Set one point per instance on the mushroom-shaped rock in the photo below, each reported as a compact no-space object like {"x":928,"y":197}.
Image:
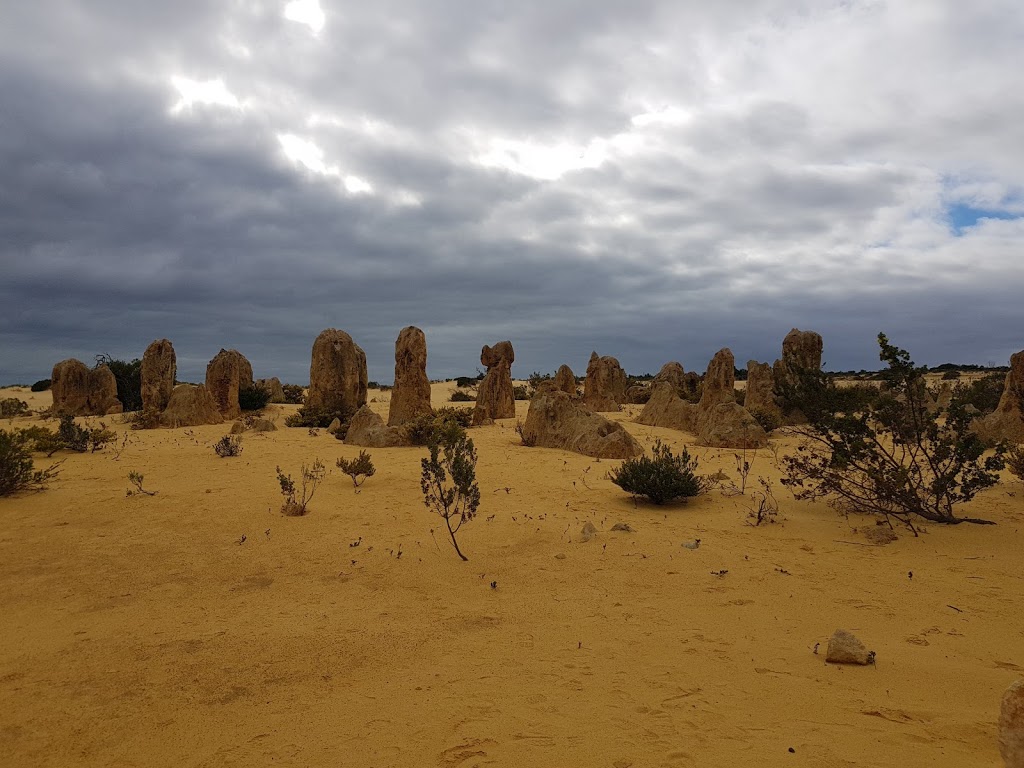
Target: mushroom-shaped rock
{"x":495,"y":398}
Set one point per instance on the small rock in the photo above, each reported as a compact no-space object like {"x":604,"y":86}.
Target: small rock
{"x":844,"y":648}
{"x":624,"y":527}
{"x":560,"y":556}
{"x":588,"y":532}
{"x":237,"y":428}
{"x":264,"y":425}
{"x":1011,"y":726}
{"x":695,"y":544}
{"x":334,"y":426}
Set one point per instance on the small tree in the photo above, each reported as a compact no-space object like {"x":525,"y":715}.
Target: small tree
{"x":889,"y":456}
{"x":359,"y":467}
{"x":296,"y":499}
{"x":448,"y":479}
{"x":660,"y":478}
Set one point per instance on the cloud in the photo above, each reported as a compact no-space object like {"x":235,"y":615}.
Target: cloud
{"x":652,"y":180}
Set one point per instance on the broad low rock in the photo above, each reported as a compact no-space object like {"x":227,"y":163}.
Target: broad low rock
{"x":190,"y":406}
{"x":410,"y":397}
{"x":337,"y":374}
{"x":158,"y":372}
{"x":845,"y":648}
{"x":666,"y":409}
{"x":1011,"y":726}
{"x":82,"y":391}
{"x":589,"y":531}
{"x":274,"y":387}
{"x":367,"y":429}
{"x":495,"y":398}
{"x":227,"y":374}
{"x":605,"y":385}
{"x":264,"y":425}
{"x":555,"y":420}
{"x":565,"y":380}
{"x":1007,"y":421}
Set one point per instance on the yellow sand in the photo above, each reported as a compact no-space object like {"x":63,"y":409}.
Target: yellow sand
{"x":139,"y":631}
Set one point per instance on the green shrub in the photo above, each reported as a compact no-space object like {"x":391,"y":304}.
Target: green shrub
{"x":448,"y":479}
{"x":129,"y":380}
{"x":297,"y":498}
{"x":892,"y":457}
{"x":41,"y":386}
{"x":424,"y":428}
{"x":317,"y":418}
{"x":1015,"y":461}
{"x":521,"y":392}
{"x":17,"y":472}
{"x":459,"y":396}
{"x":253,"y":398}
{"x":983,"y":393}
{"x":359,"y":467}
{"x":294,"y":394}
{"x":12,"y":406}
{"x":662,"y":477}
{"x":768,"y":420}
{"x":951,"y":375}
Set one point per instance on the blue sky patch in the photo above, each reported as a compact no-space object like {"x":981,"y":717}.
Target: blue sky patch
{"x":962,"y":216}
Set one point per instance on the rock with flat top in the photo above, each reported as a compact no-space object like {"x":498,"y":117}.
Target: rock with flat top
{"x":845,"y":648}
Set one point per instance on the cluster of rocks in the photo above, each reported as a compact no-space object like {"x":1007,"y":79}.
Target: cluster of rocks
{"x":82,"y":391}
{"x":716,"y":419}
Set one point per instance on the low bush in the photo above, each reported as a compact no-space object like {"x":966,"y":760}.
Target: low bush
{"x":424,"y":429}
{"x":359,"y":467}
{"x":253,"y":398}
{"x":294,"y":394}
{"x":317,"y":418}
{"x":12,"y":406}
{"x":42,"y":385}
{"x":1015,"y":461}
{"x":521,"y":392}
{"x":297,"y":498}
{"x":662,"y":477}
{"x":768,"y":420}
{"x":228,"y":446}
{"x":17,"y":472}
{"x":983,"y":393}
{"x":951,"y":375}
{"x":461,"y":396}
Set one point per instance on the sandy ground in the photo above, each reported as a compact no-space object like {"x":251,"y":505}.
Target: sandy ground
{"x":139,"y":631}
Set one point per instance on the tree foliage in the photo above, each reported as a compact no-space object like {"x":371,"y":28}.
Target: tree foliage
{"x":448,"y":479}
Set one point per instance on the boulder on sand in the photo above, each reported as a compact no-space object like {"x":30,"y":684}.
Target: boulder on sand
{"x":555,"y":420}
{"x":191,"y":405}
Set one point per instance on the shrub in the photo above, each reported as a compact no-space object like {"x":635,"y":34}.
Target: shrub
{"x":741,"y":395}
{"x":12,"y":406}
{"x":227,"y":446}
{"x":42,"y":385}
{"x":136,"y":479}
{"x":296,"y":499}
{"x":253,"y":398}
{"x":466,"y":382}
{"x":951,"y":375}
{"x":521,"y":392}
{"x":459,"y":396}
{"x":892,"y":457}
{"x":768,"y":420}
{"x":448,"y":479}
{"x":529,"y":442}
{"x":129,"y":380}
{"x":764,"y":509}
{"x":146,"y":419}
{"x":359,"y":467}
{"x":294,"y":394}
{"x":661,"y":478}
{"x":17,"y":472}
{"x":424,"y":428}
{"x":317,"y":418}
{"x":983,"y":393}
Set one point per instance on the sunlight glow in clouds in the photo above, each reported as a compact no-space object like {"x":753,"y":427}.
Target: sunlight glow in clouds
{"x":306,"y":12}
{"x":194,"y":92}
{"x":309,"y":155}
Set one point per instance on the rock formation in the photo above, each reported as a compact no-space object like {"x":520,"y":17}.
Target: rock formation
{"x":761,"y":390}
{"x":159,"y":369}
{"x":801,"y":351}
{"x":555,"y":420}
{"x":565,"y":380}
{"x":411,"y":395}
{"x":605,"y":386}
{"x":367,"y":429}
{"x":226,"y":374}
{"x":191,"y":406}
{"x":274,"y":387}
{"x":1011,"y":726}
{"x":337,"y":374}
{"x":1007,"y":421}
{"x":495,"y":398}
{"x":82,"y":391}
{"x":717,"y":420}
{"x":721,"y":421}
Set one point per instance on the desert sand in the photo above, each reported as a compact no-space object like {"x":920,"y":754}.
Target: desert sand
{"x":144,"y":631}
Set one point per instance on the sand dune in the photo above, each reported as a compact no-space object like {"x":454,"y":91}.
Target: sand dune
{"x":144,"y":631}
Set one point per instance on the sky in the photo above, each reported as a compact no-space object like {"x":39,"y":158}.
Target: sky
{"x":653,"y":180}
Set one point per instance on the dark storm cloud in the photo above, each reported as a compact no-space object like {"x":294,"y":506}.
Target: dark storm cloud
{"x":651,"y":180}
